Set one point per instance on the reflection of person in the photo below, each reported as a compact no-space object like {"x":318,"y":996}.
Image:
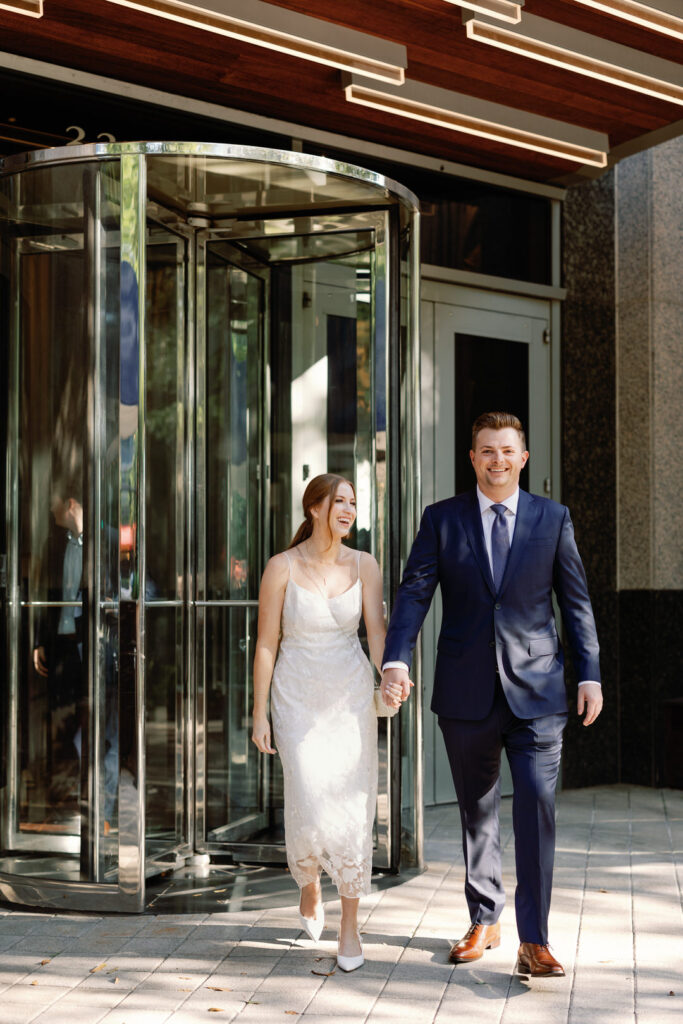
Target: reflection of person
{"x":498,"y":553}
{"x":58,"y":652}
{"x":324,"y":718}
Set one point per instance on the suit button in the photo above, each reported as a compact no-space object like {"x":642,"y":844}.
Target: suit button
{"x":492,"y":643}
{"x":496,"y":606}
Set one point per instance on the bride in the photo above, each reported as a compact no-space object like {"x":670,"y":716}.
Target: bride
{"x":324,"y":720}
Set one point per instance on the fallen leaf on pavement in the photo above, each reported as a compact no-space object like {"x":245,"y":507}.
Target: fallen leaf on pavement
{"x":94,"y":970}
{"x":219,"y":988}
{"x":325,"y":969}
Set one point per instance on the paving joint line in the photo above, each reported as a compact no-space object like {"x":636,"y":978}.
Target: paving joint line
{"x":412,"y":936}
{"x":589,"y":846}
{"x":246,"y":1002}
{"x":674,"y":860}
{"x":632,"y":901}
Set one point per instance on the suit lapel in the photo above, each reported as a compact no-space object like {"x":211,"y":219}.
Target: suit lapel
{"x":471,"y":517}
{"x":527,"y":514}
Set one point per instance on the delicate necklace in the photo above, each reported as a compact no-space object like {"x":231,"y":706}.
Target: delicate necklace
{"x":309,"y":562}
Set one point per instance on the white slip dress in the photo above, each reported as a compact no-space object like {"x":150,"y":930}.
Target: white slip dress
{"x":325,"y":731}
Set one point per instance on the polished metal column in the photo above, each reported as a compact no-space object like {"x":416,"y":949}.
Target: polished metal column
{"x":131,"y":524}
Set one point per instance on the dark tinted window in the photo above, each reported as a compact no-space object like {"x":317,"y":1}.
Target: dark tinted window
{"x":470,"y":225}
{"x":474,"y":227}
{"x":489,"y":374}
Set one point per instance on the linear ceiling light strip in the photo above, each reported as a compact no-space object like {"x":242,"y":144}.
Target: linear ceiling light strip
{"x":505,"y":10}
{"x":531,"y":44}
{"x":277,"y":28}
{"x":402,"y":106}
{"x":33,"y":8}
{"x":663,"y":18}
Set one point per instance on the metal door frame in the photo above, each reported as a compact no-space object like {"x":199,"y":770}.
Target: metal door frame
{"x":473,"y":307}
{"x":197,"y":547}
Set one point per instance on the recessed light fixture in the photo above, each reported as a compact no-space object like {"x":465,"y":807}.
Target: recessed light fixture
{"x":276,"y":28}
{"x":460,"y":113}
{"x":506,"y":10}
{"x":552,"y":43}
{"x":663,"y":16}
{"x":34,"y":8}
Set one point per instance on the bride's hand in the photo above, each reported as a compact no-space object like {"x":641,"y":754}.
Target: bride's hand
{"x":260,"y":734}
{"x":395,"y":686}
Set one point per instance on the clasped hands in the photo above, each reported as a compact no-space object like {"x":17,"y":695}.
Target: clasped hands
{"x":395,"y":686}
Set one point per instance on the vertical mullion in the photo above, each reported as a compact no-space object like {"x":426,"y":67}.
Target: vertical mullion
{"x":92,"y":738}
{"x":11,"y":804}
{"x":415,"y":511}
{"x":131,"y":518}
{"x":179,"y":539}
{"x":189,"y":573}
{"x":200,"y":542}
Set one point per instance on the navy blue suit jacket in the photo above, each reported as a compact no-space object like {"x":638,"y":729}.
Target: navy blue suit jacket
{"x":513,"y":629}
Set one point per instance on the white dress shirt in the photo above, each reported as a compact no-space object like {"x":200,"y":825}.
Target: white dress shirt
{"x":487,"y":520}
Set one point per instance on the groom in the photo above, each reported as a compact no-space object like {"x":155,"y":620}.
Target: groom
{"x":498,"y":553}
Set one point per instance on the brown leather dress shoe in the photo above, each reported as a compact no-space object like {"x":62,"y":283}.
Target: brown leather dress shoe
{"x":472,"y":945}
{"x":538,"y":961}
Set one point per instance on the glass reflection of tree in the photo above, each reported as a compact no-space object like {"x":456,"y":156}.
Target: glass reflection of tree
{"x":164,"y":419}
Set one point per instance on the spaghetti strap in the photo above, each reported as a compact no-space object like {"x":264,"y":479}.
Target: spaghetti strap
{"x":289,"y":563}
{"x":358,"y":554}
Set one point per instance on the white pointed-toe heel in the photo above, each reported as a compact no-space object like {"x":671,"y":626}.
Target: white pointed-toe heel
{"x":313,"y":926}
{"x":350,"y":963}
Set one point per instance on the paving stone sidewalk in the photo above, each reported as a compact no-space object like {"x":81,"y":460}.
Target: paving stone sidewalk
{"x":616,"y":924}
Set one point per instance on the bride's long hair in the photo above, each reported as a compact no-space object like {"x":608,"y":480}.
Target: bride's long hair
{"x":325,"y":485}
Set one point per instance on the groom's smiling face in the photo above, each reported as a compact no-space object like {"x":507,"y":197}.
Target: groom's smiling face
{"x":498,"y":460}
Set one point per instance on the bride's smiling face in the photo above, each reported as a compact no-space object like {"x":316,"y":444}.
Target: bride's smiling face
{"x":339,"y":511}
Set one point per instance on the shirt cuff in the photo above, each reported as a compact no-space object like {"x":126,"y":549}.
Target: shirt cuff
{"x":395,"y":664}
{"x":593,"y":682}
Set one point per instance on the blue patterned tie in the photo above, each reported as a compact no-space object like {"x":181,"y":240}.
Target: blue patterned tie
{"x":500,"y":545}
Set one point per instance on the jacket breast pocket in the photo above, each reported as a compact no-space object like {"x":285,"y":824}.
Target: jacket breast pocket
{"x":543,"y":645}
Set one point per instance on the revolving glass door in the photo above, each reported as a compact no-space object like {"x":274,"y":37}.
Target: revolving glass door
{"x":189,"y":335}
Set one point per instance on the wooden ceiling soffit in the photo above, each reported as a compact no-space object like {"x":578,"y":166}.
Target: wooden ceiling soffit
{"x":493,"y":121}
{"x":582,"y":53}
{"x":285,"y":31}
{"x":661,"y":16}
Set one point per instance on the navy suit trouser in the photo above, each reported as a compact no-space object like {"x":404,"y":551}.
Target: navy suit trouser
{"x":533,"y":747}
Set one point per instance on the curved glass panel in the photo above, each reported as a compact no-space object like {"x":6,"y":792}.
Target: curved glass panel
{"x":60,"y":256}
{"x":190,"y":334}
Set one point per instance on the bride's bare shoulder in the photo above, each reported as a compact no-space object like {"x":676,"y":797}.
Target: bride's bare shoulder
{"x":369,"y":569}
{"x":277,"y":570}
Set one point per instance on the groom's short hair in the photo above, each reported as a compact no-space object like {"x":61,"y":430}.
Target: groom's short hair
{"x":497,"y":421}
